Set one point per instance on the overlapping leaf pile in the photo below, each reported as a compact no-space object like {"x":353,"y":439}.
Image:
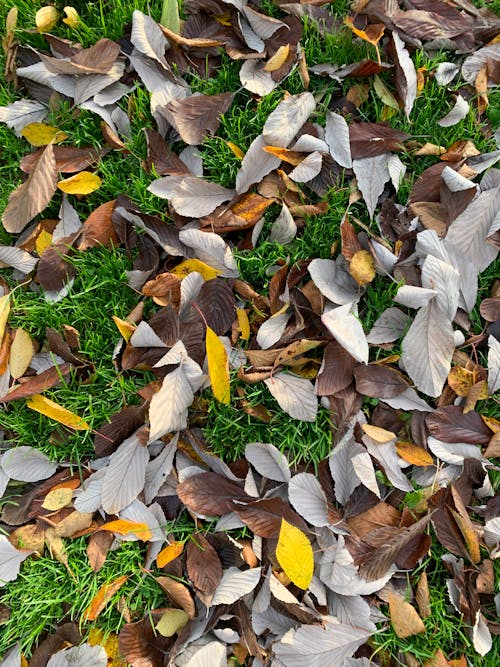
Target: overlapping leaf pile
{"x":327,"y":549}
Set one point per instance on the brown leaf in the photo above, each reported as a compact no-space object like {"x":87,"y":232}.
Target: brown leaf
{"x":53,"y":271}
{"x":404,"y":619}
{"x":196,"y":116}
{"x":98,"y":548}
{"x":263,"y":517}
{"x":69,"y":159}
{"x":141,"y":645}
{"x":32,"y":196}
{"x":490,"y":309}
{"x":64,"y":635}
{"x":210,"y":494}
{"x":485,"y":582}
{"x":203,"y":566}
{"x":449,"y":424}
{"x":161,"y":157}
{"x":179,"y":594}
{"x":217,"y":303}
{"x":98,"y":228}
{"x":164,"y":289}
{"x":422,"y":596}
{"x":371,"y":139}
{"x":120,"y":426}
{"x":97,"y":59}
{"x":38,"y":383}
{"x":336,"y":372}
{"x":379,"y":381}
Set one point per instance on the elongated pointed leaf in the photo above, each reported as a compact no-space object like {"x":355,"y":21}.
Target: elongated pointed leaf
{"x":295,"y":395}
{"x":218,"y":366}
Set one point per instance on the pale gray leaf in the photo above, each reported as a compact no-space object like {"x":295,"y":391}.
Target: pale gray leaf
{"x":69,"y":221}
{"x":256,"y":164}
{"x":319,"y":645}
{"x":442,"y":277}
{"x":351,"y":610}
{"x":84,"y":655}
{"x":470,"y":229}
{"x":148,"y":37}
{"x":333,"y":281}
{"x":252,"y":40}
{"x":17,"y":258}
{"x":397,"y":170}
{"x":308,"y":499}
{"x":427,"y":349}
{"x":227,"y":522}
{"x":272,"y":329}
{"x":88,"y":86}
{"x":254,"y":78}
{"x":284,"y":228}
{"x":10,"y":560}
{"x":337,"y":138}
{"x":4,"y":478}
{"x":413,"y":296}
{"x":12,"y":658}
{"x":151,"y":73}
{"x":493,"y":365}
{"x":88,"y":496}
{"x":40,"y":74}
{"x":295,"y":395}
{"x":213,"y":654}
{"x":385,"y":454}
{"x":306,"y":143}
{"x":481,"y":635}
{"x":458,"y":113}
{"x":21,"y":113}
{"x":125,"y":474}
{"x":168,"y":408}
{"x":445,"y":73}
{"x":158,"y":470}
{"x":263,"y":25}
{"x":193,"y":159}
{"x":190,"y":288}
{"x":341,"y":468}
{"x":286,"y":120}
{"x":145,"y":336}
{"x":371,"y":174}
{"x":492,"y":532}
{"x":408,"y":70}
{"x":455,"y":181}
{"x":476,"y":61}
{"x":357,"y":662}
{"x":453,"y":453}
{"x":235,"y":584}
{"x":112,"y":94}
{"x":308,"y":169}
{"x":26,"y":464}
{"x":137,"y":512}
{"x":268,"y":461}
{"x":348,"y":330}
{"x":212,"y":250}
{"x":191,"y":196}
{"x":388,"y":327}
{"x":408,"y":400}
{"x":365,"y":472}
{"x":270,"y":619}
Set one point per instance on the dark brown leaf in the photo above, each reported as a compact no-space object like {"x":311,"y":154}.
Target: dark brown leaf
{"x":216,"y":302}
{"x":336,"y":371}
{"x":370,"y":139}
{"x":120,"y":426}
{"x":179,"y":594}
{"x":53,"y":271}
{"x":203,"y":565}
{"x":38,"y":383}
{"x":65,"y":635}
{"x":97,"y":59}
{"x":195,"y":117}
{"x":69,"y":159}
{"x":162,"y":158}
{"x":449,"y":424}
{"x":379,"y":381}
{"x":98,"y":228}
{"x":263,"y":517}
{"x":141,"y":645}
{"x":210,"y":494}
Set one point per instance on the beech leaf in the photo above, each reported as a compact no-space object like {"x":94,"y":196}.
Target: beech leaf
{"x":218,"y":366}
{"x":10,"y":561}
{"x":295,"y":395}
{"x":295,"y":555}
{"x":56,"y":412}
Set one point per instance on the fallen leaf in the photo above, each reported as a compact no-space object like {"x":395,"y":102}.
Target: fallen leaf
{"x":57,"y":499}
{"x":295,"y":555}
{"x":404,"y":619}
{"x":40,"y":134}
{"x":169,"y":553}
{"x":103,"y":597}
{"x":171,"y":622}
{"x":46,"y":18}
{"x":362,"y":267}
{"x":56,"y":412}
{"x":82,"y":183}
{"x":125,"y":527}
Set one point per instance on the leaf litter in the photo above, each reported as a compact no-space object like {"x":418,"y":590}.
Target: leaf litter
{"x":327,"y":553}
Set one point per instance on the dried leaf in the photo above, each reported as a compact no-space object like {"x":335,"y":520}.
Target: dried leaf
{"x":235,"y":584}
{"x":21,"y":353}
{"x":56,"y":412}
{"x":406,"y":75}
{"x":337,"y":138}
{"x":189,"y":195}
{"x":125,"y":527}
{"x":10,"y":561}
{"x":27,"y":464}
{"x":295,"y":395}
{"x":404,"y":619}
{"x":295,"y":555}
{"x":46,"y":18}
{"x":103,"y":597}
{"x":218,"y":366}
{"x":40,"y":134}
{"x":56,"y":499}
{"x":171,"y":622}
{"x":458,"y":113}
{"x":372,"y":174}
{"x":195,"y":117}
{"x":362,"y":267}
{"x":169,"y":553}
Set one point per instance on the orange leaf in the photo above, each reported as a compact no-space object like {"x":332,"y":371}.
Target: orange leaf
{"x":102,"y":597}
{"x":372,"y":33}
{"x":292,"y":157}
{"x":123,"y":527}
{"x":414,"y":454}
{"x":169,"y":553}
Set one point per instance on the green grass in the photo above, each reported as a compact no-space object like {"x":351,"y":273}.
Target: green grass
{"x":45,"y":592}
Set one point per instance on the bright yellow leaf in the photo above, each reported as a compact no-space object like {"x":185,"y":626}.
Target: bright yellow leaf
{"x":40,"y":134}
{"x":125,"y":328}
{"x":96,"y":637}
{"x":169,"y":553}
{"x":82,"y":183}
{"x":4,"y":314}
{"x":56,"y":412}
{"x":56,"y":499}
{"x":278,"y":59}
{"x":72,"y":19}
{"x":46,"y":18}
{"x":236,"y":150}
{"x":195,"y":265}
{"x":295,"y":555}
{"x":362,"y":267}
{"x":43,"y":241}
{"x":414,"y":454}
{"x":243,"y":323}
{"x":218,"y":366}
{"x":21,"y":353}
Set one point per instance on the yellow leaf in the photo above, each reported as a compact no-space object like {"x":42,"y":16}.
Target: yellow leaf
{"x":195,"y":265}
{"x":102,"y":597}
{"x":461,"y":380}
{"x":295,"y":555}
{"x":377,"y":433}
{"x":414,"y":454}
{"x":404,"y":618}
{"x":125,"y":328}
{"x":218,"y":366}
{"x":46,"y":18}
{"x":171,"y":621}
{"x":43,"y":241}
{"x":4,"y":314}
{"x":96,"y":637}
{"x":82,"y":183}
{"x":56,"y":412}
{"x":243,"y":323}
{"x":236,"y":150}
{"x":278,"y":59}
{"x":492,"y":423}
{"x":11,"y":20}
{"x":285,"y":154}
{"x":124,"y":526}
{"x":21,"y":353}
{"x":371,"y":34}
{"x":40,"y":134}
{"x":57,"y":499}
{"x":362,"y":267}
{"x":470,"y":536}
{"x":72,"y":19}
{"x":169,"y":553}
